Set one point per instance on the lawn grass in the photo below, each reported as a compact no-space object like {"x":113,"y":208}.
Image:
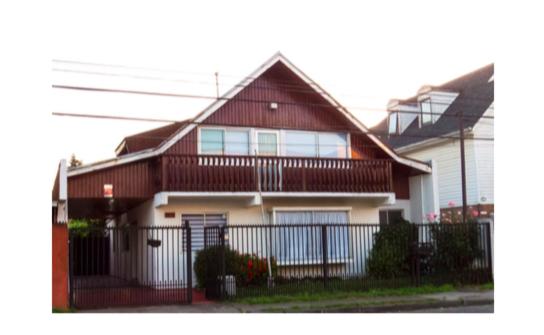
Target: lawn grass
{"x":64,"y":310}
{"x":338,"y":295}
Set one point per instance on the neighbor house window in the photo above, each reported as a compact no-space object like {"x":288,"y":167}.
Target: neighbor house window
{"x":221,"y":141}
{"x":393,"y":124}
{"x":299,"y":238}
{"x":390,"y":216}
{"x":267,"y":143}
{"x":426,"y":111}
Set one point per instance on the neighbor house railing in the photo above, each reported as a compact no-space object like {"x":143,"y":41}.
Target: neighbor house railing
{"x":274,"y":174}
{"x":303,"y":257}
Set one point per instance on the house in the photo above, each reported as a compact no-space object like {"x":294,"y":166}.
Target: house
{"x":275,"y":149}
{"x":426,"y":127}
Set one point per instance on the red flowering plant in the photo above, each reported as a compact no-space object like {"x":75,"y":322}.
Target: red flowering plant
{"x":253,"y":270}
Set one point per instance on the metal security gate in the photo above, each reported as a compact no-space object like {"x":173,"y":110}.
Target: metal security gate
{"x":127,"y":266}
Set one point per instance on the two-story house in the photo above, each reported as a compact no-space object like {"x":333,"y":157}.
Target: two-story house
{"x":275,"y":149}
{"x":427,"y":126}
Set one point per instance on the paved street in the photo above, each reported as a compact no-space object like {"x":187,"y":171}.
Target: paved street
{"x":461,"y":309}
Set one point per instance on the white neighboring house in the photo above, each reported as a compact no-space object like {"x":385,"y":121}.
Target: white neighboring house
{"x":427,"y":133}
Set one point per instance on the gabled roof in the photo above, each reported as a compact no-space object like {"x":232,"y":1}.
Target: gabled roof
{"x":182,"y":131}
{"x":476,"y":94}
{"x":149,"y":139}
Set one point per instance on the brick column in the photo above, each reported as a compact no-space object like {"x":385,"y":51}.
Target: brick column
{"x":60,"y":266}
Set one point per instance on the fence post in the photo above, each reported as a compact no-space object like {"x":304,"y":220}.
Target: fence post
{"x":189,"y":268}
{"x":414,"y":250}
{"x":223,"y":270}
{"x":325,"y":255}
{"x":489,"y":249}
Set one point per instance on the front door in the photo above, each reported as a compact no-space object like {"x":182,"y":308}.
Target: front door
{"x":197,"y":223}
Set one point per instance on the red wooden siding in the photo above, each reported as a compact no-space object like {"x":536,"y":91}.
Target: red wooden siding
{"x":187,"y":145}
{"x":299,"y":107}
{"x":133,"y":180}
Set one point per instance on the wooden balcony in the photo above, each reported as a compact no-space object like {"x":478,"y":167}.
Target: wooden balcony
{"x":205,"y":173}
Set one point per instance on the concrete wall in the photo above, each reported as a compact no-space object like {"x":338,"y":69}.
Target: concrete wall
{"x":238,"y":212}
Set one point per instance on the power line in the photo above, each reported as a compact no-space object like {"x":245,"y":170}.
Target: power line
{"x":110,"y":117}
{"x":207,"y":97}
{"x":291,"y":87}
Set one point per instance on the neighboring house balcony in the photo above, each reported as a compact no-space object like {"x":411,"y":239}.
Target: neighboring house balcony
{"x":221,"y":173}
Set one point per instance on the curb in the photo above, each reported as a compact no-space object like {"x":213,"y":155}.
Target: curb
{"x":391,"y":308}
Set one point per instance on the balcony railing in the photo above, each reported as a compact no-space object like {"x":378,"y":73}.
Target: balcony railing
{"x":207,"y":173}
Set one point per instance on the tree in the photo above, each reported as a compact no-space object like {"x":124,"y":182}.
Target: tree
{"x":74,"y":162}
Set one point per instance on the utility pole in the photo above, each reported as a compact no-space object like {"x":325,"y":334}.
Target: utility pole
{"x":217,"y":84}
{"x":463,"y":172}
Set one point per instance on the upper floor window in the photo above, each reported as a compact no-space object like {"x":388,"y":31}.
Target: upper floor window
{"x":333,"y":145}
{"x":426,"y":111}
{"x":315,"y":144}
{"x":393,"y":123}
{"x":300,"y":144}
{"x":267,"y":143}
{"x":224,"y":141}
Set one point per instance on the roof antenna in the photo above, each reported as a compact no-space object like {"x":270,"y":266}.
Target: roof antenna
{"x":217,"y":84}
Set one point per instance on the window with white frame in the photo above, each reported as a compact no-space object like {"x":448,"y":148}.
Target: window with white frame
{"x":393,"y":123}
{"x":300,"y":144}
{"x":267,"y":143}
{"x":293,"y":143}
{"x":224,"y":141}
{"x":333,"y":145}
{"x":299,"y":238}
{"x":426,"y":111}
{"x":315,"y":144}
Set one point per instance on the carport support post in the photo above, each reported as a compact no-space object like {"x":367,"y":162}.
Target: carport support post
{"x":189,"y":268}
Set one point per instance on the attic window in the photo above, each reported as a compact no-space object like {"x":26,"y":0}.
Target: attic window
{"x":426,"y":111}
{"x":393,"y":123}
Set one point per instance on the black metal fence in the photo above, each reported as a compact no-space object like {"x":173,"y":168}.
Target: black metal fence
{"x":130,"y":266}
{"x":252,"y":260}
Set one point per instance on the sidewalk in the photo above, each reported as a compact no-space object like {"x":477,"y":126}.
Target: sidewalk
{"x":354,"y":305}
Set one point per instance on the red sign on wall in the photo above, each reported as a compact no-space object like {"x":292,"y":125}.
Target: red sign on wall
{"x":108,"y":191}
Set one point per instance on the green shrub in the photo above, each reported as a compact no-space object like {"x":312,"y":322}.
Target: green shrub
{"x":390,"y":255}
{"x":456,"y":247}
{"x":248,"y":269}
{"x":208,"y":264}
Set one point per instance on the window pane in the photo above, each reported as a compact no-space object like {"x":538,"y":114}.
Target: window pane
{"x":301,"y":144}
{"x":393,"y":123}
{"x":425,"y":111}
{"x":268,"y":144}
{"x":333,"y":145}
{"x":236,"y":142}
{"x":211,"y":141}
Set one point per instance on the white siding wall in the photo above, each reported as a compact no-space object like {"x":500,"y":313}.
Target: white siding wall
{"x":479,"y":159}
{"x":448,"y":159}
{"x":484,"y":151}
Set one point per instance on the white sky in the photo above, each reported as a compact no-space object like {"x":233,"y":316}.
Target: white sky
{"x":363,"y":55}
